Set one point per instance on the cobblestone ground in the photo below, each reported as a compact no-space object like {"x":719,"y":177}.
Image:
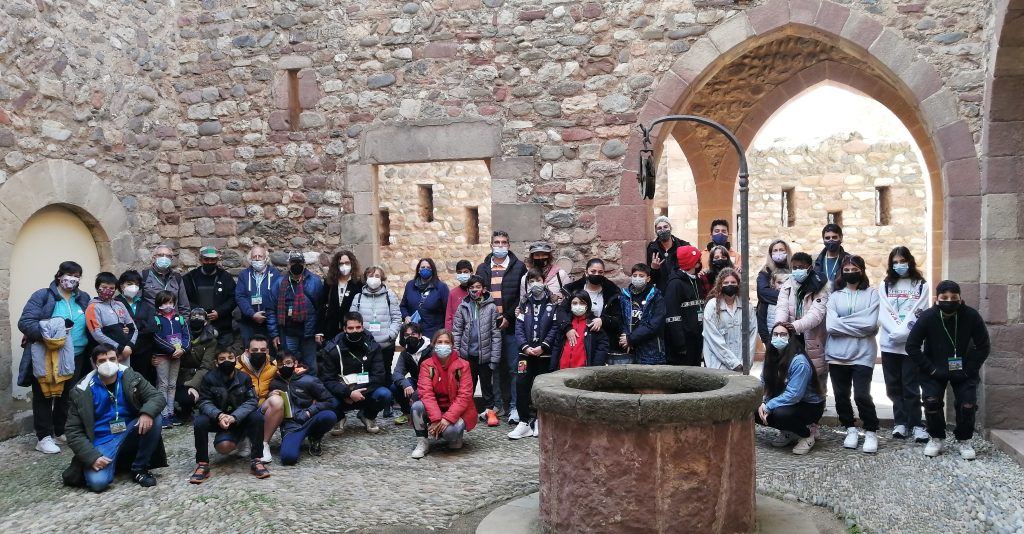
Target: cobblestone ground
{"x":368,"y":483}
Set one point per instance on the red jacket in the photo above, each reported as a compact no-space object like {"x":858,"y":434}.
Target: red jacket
{"x":447,"y":391}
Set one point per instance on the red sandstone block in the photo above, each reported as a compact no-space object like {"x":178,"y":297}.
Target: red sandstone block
{"x":862,"y":30}
{"x":591,"y":10}
{"x":956,"y":142}
{"x":670,"y":89}
{"x":620,"y":118}
{"x":438,"y":49}
{"x":309,"y":212}
{"x":225,"y":228}
{"x":616,"y":223}
{"x":217,"y":211}
{"x":309,"y":90}
{"x":963,"y":218}
{"x":963,"y":177}
{"x":768,"y":17}
{"x":803,"y":11}
{"x":535,"y":14}
{"x":831,"y":17}
{"x":910,"y":8}
{"x":576,"y":134}
{"x":200,"y":170}
{"x":4,"y":117}
{"x":1002,"y":174}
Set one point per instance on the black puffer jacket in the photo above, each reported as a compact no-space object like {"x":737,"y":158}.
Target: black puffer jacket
{"x":611,"y":313}
{"x":232,"y":395}
{"x":514,"y":273}
{"x":307,"y":395}
{"x":339,"y":359}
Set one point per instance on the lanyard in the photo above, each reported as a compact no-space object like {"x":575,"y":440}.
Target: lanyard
{"x":851,"y":298}
{"x":163,"y":285}
{"x":956,"y":332}
{"x":115,"y":395}
{"x":259,"y":282}
{"x":829,"y":273}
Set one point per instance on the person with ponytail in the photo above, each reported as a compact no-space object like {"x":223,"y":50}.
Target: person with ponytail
{"x":794,"y":398}
{"x":445,"y":411}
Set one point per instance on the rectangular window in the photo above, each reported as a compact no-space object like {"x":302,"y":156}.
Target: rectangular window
{"x":426,"y":194}
{"x":472,"y":226}
{"x":294,"y":110}
{"x":788,"y":208}
{"x":835,"y":217}
{"x":882,"y":206}
{"x":385,"y":227}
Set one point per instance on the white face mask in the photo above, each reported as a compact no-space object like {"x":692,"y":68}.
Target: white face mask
{"x":130,"y":291}
{"x":345,"y":269}
{"x":107,"y":369}
{"x":373,"y":283}
{"x":536,"y":289}
{"x":578,"y":310}
{"x":638,"y":282}
{"x":259,"y":265}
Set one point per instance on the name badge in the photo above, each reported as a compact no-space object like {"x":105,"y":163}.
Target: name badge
{"x":956,"y":364}
{"x":289,"y":311}
{"x":363,"y":378}
{"x":700,"y":315}
{"x":256,"y":301}
{"x":373,"y":327}
{"x":117,"y":426}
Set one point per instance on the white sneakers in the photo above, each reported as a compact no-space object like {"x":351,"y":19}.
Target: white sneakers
{"x":522,"y":430}
{"x":934,"y":447}
{"x":513,"y":417}
{"x":852,"y":437}
{"x":47,"y":445}
{"x":370,"y":424}
{"x":899,"y":432}
{"x":536,"y":428}
{"x":243,"y":449}
{"x":266,"y":458}
{"x":966,"y":450}
{"x":921,"y":434}
{"x":421,"y":448}
{"x":339,"y":427}
{"x":804,"y":446}
{"x":784,"y":439}
{"x":870,"y":442}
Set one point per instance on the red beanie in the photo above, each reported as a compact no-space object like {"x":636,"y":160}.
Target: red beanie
{"x":687,"y":257}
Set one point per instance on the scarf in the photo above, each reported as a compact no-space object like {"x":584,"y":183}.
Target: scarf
{"x":575,"y":357}
{"x":300,"y":306}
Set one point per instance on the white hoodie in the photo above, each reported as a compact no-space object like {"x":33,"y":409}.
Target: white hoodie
{"x":900,"y":305}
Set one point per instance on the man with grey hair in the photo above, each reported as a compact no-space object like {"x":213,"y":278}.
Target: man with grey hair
{"x":661,"y":253}
{"x":255,"y":285}
{"x":161,"y":277}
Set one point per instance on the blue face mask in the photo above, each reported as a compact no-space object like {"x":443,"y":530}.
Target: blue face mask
{"x":780,"y":342}
{"x":162,"y":263}
{"x":426,"y":272}
{"x":719,"y":239}
{"x":799,"y":275}
{"x":500,"y":252}
{"x":463,"y":277}
{"x":443,"y":351}
{"x":901,"y":268}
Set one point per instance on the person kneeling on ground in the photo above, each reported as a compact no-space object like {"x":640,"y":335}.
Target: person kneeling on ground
{"x":308,"y":408}
{"x":407,"y":368}
{"x":113,"y":410}
{"x":227,"y":406}
{"x":353,"y":370}
{"x":446,"y":410}
{"x":794,"y":398}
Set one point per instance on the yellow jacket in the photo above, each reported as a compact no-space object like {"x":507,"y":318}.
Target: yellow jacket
{"x":260,"y":378}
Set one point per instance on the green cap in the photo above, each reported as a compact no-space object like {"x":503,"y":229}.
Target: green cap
{"x":208,"y":252}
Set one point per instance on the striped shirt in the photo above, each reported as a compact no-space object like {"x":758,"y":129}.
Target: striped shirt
{"x":497,"y":275}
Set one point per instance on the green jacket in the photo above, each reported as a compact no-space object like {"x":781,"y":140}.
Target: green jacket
{"x":142,"y":398}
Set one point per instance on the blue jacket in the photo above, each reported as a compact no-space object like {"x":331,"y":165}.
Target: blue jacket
{"x":646,"y":339}
{"x":40,"y":306}
{"x":313,"y":288}
{"x":798,"y":378}
{"x":166,"y":329}
{"x":246,"y":287}
{"x":431,"y":301}
{"x":537,"y":331}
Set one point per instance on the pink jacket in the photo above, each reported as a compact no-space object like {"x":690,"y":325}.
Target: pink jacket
{"x":811,"y":322}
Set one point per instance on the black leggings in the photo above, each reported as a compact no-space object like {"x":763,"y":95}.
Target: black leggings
{"x":529,"y":368}
{"x":796,"y":417}
{"x":49,"y":415}
{"x":859,"y":377}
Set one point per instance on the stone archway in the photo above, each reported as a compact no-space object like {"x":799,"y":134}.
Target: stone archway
{"x":61,"y":183}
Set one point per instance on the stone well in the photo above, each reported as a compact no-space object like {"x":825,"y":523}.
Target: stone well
{"x":641,"y":449}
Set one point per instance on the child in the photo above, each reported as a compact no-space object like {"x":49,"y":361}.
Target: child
{"x":478,"y":340}
{"x":201,"y":358}
{"x":535,"y":335}
{"x":778,"y":280}
{"x":592,"y":350}
{"x":407,"y":369}
{"x":463,"y":270}
{"x":108,"y":319}
{"x":172,"y":341}
{"x":643,"y":318}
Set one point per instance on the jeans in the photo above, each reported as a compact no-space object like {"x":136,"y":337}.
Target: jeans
{"x":49,"y":415}
{"x":903,"y":388}
{"x":372,"y":404}
{"x":405,"y":403}
{"x":304,"y":348}
{"x":251,"y":427}
{"x":146,"y":445}
{"x":451,"y":435}
{"x":859,"y":376}
{"x":529,"y":368}
{"x":795,"y":418}
{"x":965,"y":399}
{"x":483,"y":373}
{"x":505,"y":378}
{"x":315,"y":428}
{"x":167,"y":381}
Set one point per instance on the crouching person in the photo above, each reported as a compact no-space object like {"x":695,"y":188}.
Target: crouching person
{"x":255,"y":362}
{"x":354,"y":371}
{"x":113,"y":421}
{"x":445,"y":410}
{"x":308,"y":409}
{"x":227,"y":406}
{"x":794,"y":398}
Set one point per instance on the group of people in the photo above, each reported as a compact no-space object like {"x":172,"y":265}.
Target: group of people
{"x":157,"y":348}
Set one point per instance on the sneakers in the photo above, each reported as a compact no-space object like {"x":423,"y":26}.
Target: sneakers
{"x":513,"y":417}
{"x":316,"y":447}
{"x":536,"y":428}
{"x":266,"y":458}
{"x":402,"y":419}
{"x":243,"y":449}
{"x":369,"y":424}
{"x":144,"y":478}
{"x":259,"y":470}
{"x":966,"y":450}
{"x":870,"y":442}
{"x":784,"y":439}
{"x":899,"y":432}
{"x":63,"y":438}
{"x":492,"y":418}
{"x":804,"y":445}
{"x":521,"y":431}
{"x":177,"y":421}
{"x":168,"y":422}
{"x":933,"y":448}
{"x":852,"y":437}
{"x":47,"y":446}
{"x":339,"y":427}
{"x":421,"y":448}
{"x":921,"y":434}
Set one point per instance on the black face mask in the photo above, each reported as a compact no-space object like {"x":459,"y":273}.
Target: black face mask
{"x":412,"y":344}
{"x":226,"y":367}
{"x":257,"y":359}
{"x":209,"y":270}
{"x":286,"y":372}
{"x":296,"y":269}
{"x":196,"y":324}
{"x":852,"y":278}
{"x":833,"y":246}
{"x":540,"y":264}
{"x":718,"y":265}
{"x":355,"y":338}
{"x":730,"y":291}
{"x":596,"y":279}
{"x":948,"y":306}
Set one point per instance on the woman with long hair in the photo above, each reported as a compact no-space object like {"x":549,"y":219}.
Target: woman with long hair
{"x":445,"y":411}
{"x":723,"y":325}
{"x":426,"y":298}
{"x":767,"y":293}
{"x":794,"y":398}
{"x":719,"y":260}
{"x":341,"y":285}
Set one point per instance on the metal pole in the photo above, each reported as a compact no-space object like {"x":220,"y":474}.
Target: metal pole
{"x":744,"y":183}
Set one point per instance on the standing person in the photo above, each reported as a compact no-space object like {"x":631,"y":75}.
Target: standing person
{"x":720,"y":260}
{"x":536,"y":331}
{"x":684,"y":311}
{"x":661,"y":253}
{"x":904,"y":297}
{"x":445,"y":411}
{"x":794,"y":397}
{"x":828,"y":261}
{"x":341,"y":285}
{"x":591,"y":346}
{"x":949,"y":343}
{"x":604,"y":299}
{"x":541,"y":260}
{"x":463,"y":270}
{"x":767,"y":292}
{"x":256,"y":285}
{"x":477,"y":338}
{"x":852,"y":322}
{"x":309,"y":409}
{"x":62,"y":299}
{"x":212,"y":288}
{"x":643,"y":318}
{"x":719,"y":238}
{"x":114,"y":415}
{"x":354,"y":371}
{"x":379,"y":307}
{"x":108,"y":319}
{"x":171,"y":342}
{"x":162,"y":277}
{"x":143,"y":314}
{"x":425,"y":299}
{"x":723,"y":325}
{"x":407,"y":369}
{"x":291,"y":317}
{"x":501,"y":272}
{"x":802,"y":307}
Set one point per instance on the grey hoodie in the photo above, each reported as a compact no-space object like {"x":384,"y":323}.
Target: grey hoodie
{"x":484,"y":317}
{"x":100,"y":314}
{"x":53,"y":330}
